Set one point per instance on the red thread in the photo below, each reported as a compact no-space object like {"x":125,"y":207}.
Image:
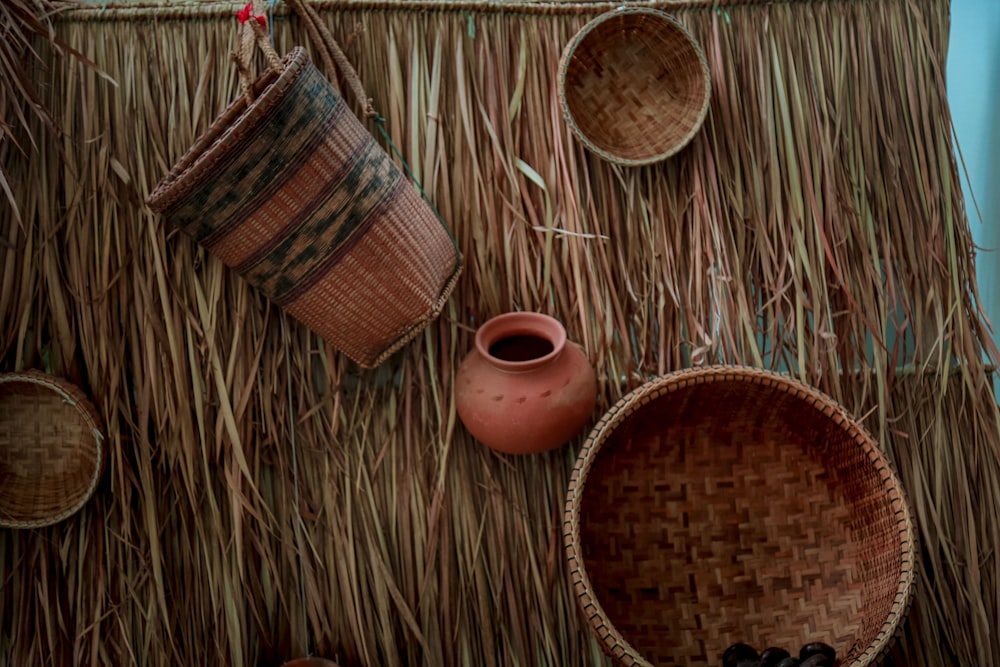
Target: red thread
{"x":247,"y":13}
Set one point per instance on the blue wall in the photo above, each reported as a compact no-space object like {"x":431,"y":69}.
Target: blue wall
{"x":974,"y":97}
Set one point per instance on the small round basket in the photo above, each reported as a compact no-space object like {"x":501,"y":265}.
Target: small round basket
{"x":51,"y":453}
{"x":634,"y":86}
{"x":727,"y":504}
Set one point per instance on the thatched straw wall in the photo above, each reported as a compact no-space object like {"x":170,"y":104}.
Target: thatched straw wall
{"x":815,"y":225}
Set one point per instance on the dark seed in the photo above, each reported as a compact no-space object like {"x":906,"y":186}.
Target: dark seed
{"x":818,"y":648}
{"x":789,"y":662}
{"x":737,"y":653}
{"x":770,"y":657}
{"x":816,"y":660}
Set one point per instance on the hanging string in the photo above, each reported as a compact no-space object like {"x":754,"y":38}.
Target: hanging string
{"x":252,"y":32}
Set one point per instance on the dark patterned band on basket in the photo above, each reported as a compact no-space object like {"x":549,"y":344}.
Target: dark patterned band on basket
{"x":304,"y":203}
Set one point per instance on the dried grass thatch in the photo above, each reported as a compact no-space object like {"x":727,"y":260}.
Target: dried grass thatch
{"x":267,"y":498}
{"x":23,"y":24}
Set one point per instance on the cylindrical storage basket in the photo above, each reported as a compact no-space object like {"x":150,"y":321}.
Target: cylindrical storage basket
{"x":293,"y":193}
{"x":728,"y":504}
{"x":51,"y":450}
{"x":634,"y":86}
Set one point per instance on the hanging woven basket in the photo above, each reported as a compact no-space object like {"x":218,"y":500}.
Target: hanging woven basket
{"x":724,"y":505}
{"x":634,"y":86}
{"x":290,"y":190}
{"x":51,"y":450}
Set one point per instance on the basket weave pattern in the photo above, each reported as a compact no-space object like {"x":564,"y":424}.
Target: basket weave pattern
{"x":724,"y":505}
{"x":51,"y":450}
{"x":634,"y":86}
{"x":296,"y":195}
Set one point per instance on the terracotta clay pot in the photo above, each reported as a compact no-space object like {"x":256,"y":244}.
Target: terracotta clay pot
{"x":525,"y":388}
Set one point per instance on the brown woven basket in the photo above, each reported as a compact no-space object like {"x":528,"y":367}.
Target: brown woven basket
{"x":51,"y":450}
{"x":634,"y":86}
{"x":293,"y":193}
{"x":725,"y":505}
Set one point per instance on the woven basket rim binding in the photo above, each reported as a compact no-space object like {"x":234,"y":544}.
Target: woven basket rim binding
{"x":612,"y":641}
{"x":82,"y":408}
{"x":238,"y":120}
{"x":567,"y":59}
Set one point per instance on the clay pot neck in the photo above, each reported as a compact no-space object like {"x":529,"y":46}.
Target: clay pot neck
{"x":518,"y":342}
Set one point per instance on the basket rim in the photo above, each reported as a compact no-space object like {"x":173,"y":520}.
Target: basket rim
{"x":612,"y":641}
{"x":570,"y":50}
{"x":73,"y":396}
{"x":226,"y":132}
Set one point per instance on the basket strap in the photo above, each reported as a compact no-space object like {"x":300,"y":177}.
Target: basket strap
{"x":331,"y":54}
{"x":252,"y":22}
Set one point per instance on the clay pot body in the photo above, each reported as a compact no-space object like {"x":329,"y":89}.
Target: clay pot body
{"x":524,"y":388}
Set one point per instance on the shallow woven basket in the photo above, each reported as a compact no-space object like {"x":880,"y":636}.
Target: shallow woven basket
{"x":634,"y":86}
{"x":725,"y":505}
{"x":51,"y":450}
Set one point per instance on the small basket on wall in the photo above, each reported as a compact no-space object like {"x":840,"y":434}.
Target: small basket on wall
{"x":634,"y":86}
{"x":51,"y":450}
{"x":729,"y":505}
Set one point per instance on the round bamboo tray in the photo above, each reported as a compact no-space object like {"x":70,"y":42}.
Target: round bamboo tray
{"x":725,"y":505}
{"x":634,"y":86}
{"x":51,"y":450}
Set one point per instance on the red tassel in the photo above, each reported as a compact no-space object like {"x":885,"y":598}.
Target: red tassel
{"x":245,"y":13}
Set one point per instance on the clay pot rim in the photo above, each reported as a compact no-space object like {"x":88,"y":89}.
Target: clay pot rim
{"x":520,"y":323}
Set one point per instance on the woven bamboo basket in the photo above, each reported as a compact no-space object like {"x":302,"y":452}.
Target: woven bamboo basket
{"x":727,"y":504}
{"x":290,"y":190}
{"x":634,"y":86}
{"x":51,"y":450}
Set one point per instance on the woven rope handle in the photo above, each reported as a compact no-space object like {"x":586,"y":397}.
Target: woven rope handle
{"x":251,"y":33}
{"x":331,"y":54}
